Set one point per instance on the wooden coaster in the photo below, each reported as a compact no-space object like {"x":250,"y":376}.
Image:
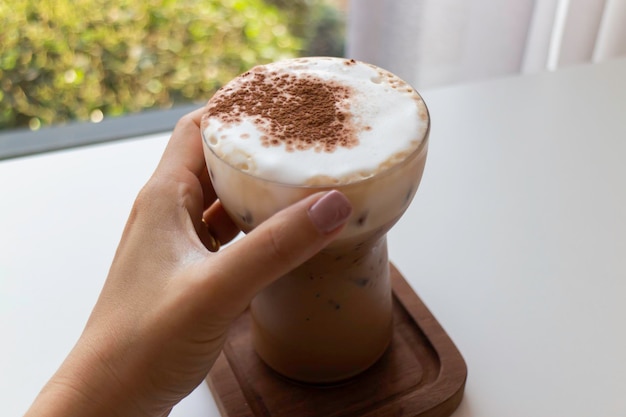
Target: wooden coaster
{"x":421,"y":374}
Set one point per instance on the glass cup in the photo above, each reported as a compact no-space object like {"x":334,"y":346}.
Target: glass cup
{"x":331,"y":318}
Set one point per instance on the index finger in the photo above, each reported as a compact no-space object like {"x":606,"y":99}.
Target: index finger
{"x":185,"y":146}
{"x":185,"y":151}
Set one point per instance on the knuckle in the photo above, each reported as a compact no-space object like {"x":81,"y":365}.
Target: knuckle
{"x":144,"y":202}
{"x":145,"y":196}
{"x":279,"y":247}
{"x":185,"y":121}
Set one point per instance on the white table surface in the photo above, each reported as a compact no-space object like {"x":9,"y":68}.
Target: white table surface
{"x":516,"y":241}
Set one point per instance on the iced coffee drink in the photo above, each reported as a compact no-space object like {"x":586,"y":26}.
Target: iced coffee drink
{"x":282,"y":131}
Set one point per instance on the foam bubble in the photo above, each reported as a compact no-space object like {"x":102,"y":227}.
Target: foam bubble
{"x":315,"y":121}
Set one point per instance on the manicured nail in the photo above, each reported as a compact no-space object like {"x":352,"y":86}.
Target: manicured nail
{"x":330,"y":211}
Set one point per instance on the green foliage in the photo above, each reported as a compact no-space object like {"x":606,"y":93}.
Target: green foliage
{"x":319,"y":23}
{"x":63,"y":60}
{"x":326,"y":31}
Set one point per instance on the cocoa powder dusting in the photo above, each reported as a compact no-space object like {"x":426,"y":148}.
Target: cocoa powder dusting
{"x":299,"y":113}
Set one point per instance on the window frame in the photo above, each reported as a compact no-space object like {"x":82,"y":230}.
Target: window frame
{"x":23,"y":142}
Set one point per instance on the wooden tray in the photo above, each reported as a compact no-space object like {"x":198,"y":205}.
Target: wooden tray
{"x":421,"y":374}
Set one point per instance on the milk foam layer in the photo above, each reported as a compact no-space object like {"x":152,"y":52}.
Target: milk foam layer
{"x":379,"y":120}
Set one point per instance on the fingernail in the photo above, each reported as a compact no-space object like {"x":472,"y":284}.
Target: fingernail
{"x":330,"y":211}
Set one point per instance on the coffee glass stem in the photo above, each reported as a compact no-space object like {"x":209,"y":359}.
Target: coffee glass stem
{"x":330,"y":318}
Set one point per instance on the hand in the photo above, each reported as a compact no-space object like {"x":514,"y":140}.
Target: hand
{"x":165,"y":308}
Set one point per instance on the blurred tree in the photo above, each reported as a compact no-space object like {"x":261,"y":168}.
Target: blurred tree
{"x":319,"y":23}
{"x":63,"y":60}
{"x":327,"y":38}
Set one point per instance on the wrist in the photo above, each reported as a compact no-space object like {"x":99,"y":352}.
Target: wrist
{"x":58,"y":398}
{"x":84,"y":386}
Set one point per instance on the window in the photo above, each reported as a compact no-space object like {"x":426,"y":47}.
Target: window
{"x":89,"y":60}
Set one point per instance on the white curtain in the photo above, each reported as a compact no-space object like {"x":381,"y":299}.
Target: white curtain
{"x":439,"y":42}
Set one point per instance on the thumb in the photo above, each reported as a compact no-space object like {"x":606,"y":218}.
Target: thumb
{"x":278,"y":245}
